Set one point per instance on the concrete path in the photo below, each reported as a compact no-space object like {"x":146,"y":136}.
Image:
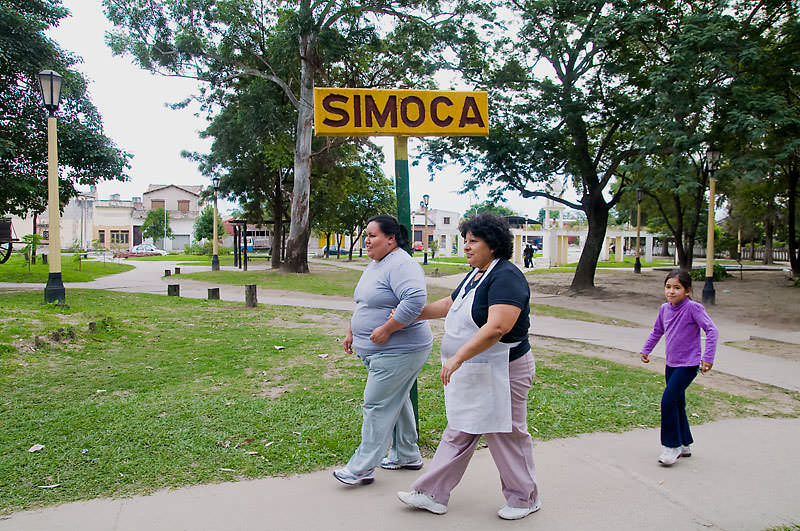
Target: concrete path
{"x":744,"y":474}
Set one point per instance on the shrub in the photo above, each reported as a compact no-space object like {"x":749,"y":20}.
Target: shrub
{"x":720,"y":273}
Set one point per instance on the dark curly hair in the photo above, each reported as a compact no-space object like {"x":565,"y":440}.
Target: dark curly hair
{"x":492,"y":229}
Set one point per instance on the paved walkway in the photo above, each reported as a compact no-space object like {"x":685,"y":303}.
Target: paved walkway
{"x":744,"y":475}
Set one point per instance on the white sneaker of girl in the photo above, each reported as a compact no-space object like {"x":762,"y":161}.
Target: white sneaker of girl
{"x":669,"y":456}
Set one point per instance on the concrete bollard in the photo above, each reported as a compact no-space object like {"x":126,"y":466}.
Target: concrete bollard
{"x":213,"y":294}
{"x":250,"y":298}
{"x":177,"y":270}
{"x":167,"y":272}
{"x":174,"y":290}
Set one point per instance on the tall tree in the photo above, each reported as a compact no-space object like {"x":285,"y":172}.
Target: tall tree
{"x":204,"y":224}
{"x":156,"y":225}
{"x":86,"y":156}
{"x":489,"y":206}
{"x":560,"y":112}
{"x":292,"y":44}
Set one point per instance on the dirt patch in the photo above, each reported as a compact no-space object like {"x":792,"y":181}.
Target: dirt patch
{"x":769,"y":347}
{"x":771,"y":400}
{"x":272,"y":391}
{"x":761,"y":298}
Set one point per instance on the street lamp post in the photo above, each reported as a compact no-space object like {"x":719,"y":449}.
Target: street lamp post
{"x":50,"y":86}
{"x":712,"y":163}
{"x":637,"y":266}
{"x":214,"y":244}
{"x":425,"y":199}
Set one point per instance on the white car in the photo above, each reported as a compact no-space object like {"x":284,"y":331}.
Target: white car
{"x":147,"y":248}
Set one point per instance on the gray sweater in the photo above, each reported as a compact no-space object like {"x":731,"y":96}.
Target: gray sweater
{"x":397,"y":283}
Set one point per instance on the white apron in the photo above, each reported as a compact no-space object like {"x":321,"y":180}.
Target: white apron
{"x":478,"y":397}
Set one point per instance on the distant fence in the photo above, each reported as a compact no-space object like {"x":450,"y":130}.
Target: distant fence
{"x":779,"y":254}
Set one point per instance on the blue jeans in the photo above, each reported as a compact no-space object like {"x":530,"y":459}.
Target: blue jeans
{"x":388,"y":414}
{"x":674,"y":424}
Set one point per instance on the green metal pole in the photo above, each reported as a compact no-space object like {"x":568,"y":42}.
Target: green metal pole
{"x":404,"y":217}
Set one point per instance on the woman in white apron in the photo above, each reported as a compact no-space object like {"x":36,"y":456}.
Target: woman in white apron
{"x":487,"y":371}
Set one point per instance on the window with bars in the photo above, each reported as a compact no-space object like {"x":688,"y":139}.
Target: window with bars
{"x":155,"y":204}
{"x":120,"y":236}
{"x":183,"y":205}
{"x":101,"y":236}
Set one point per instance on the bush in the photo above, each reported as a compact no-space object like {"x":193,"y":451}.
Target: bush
{"x":720,"y":273}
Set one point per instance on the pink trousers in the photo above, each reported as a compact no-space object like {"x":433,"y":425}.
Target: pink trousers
{"x":512,"y":452}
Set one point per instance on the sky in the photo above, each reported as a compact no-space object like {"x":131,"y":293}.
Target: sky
{"x":133,"y":104}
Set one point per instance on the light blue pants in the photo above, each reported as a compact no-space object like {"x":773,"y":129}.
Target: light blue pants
{"x":388,"y":415}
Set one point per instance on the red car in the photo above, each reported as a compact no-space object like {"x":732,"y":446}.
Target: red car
{"x":417,"y":246}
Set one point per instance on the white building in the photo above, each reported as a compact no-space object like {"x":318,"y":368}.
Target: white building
{"x":182,"y":204}
{"x":115,"y":224}
{"x":442,"y":225}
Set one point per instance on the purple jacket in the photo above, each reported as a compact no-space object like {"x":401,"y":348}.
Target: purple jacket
{"x":681,"y":325}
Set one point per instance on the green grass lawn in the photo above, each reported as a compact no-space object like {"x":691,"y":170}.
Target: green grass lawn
{"x":339,"y":282}
{"x":439,"y":270}
{"x":577,"y":315}
{"x":16,"y":270}
{"x":167,"y":392}
{"x":451,"y":259}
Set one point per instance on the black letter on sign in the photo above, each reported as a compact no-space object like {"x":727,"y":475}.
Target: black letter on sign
{"x":404,"y":111}
{"x":435,"y":114}
{"x":469,"y":103}
{"x":326,"y":104}
{"x":371,"y":110}
{"x":356,"y":110}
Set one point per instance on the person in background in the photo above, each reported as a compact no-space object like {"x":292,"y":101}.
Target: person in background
{"x":487,"y":372}
{"x":680,"y":320}
{"x":393,"y":345}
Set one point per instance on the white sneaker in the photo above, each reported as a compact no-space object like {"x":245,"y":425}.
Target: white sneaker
{"x":515,"y":513}
{"x":421,"y":501}
{"x":686,"y":451}
{"x":388,"y":464}
{"x":348,"y":478}
{"x":669,"y":456}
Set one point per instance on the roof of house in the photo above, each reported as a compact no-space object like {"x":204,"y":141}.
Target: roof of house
{"x":193,"y":189}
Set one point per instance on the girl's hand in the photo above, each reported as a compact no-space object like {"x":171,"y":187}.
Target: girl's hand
{"x":348,"y":342}
{"x":705,"y":366}
{"x":645,"y":358}
{"x":448,"y":368}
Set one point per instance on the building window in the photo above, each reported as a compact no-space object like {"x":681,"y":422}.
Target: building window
{"x":119,"y":236}
{"x":447,"y":220}
{"x":417,"y":235}
{"x":155,"y":204}
{"x":183,"y":205}
{"x":101,"y":236}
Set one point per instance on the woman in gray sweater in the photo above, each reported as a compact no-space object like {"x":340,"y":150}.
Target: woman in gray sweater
{"x":393,"y":347}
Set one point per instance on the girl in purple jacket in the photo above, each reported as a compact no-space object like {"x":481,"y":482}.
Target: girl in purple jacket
{"x":680,"y":320}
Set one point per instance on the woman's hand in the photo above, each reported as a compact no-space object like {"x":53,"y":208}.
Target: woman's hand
{"x":705,"y":366}
{"x":380,"y":335}
{"x":348,"y":341}
{"x":448,"y":368}
{"x":645,"y":358}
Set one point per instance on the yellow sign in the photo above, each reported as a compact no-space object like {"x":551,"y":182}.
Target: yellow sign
{"x":366,"y":112}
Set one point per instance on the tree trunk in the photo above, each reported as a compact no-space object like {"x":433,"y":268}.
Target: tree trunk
{"x":769,"y":229}
{"x":664,"y":246}
{"x":277,"y":223}
{"x":597,"y":216}
{"x":300,"y":227}
{"x":352,"y":243}
{"x":793,"y":174}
